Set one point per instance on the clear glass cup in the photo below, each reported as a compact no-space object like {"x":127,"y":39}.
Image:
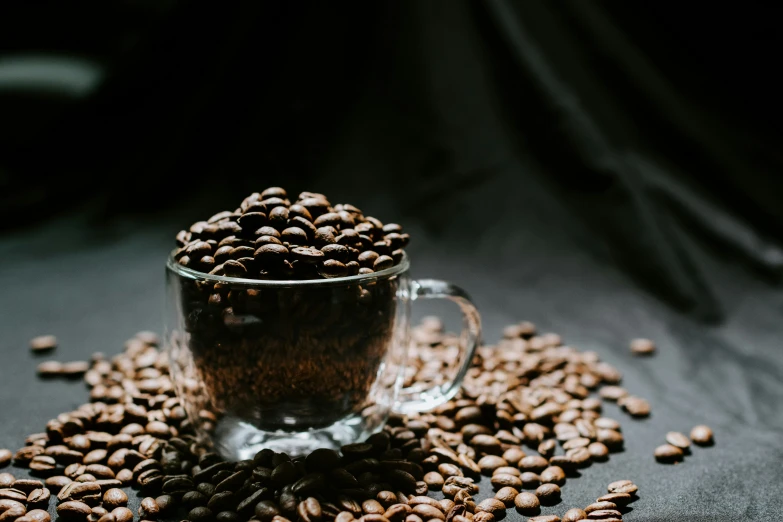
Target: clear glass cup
{"x":298,"y":365}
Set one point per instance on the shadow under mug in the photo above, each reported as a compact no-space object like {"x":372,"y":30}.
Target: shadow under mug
{"x":299,"y":365}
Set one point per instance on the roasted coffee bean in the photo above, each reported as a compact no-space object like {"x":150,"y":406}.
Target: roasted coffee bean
{"x":553,"y":475}
{"x":221,"y":501}
{"x":598,"y":451}
{"x":548,"y":494}
{"x":427,"y":512}
{"x":678,"y":439}
{"x":73,"y":510}
{"x":57,"y":482}
{"x":26,"y":485}
{"x":527,"y":503}
{"x":620,"y":499}
{"x":43,"y":343}
{"x":622,"y":486}
{"x":11,"y":510}
{"x":604,"y":514}
{"x":227,"y":516}
{"x":507,"y":495}
{"x":5,"y":457}
{"x":6,"y":480}
{"x":38,"y":515}
{"x":491,"y":505}
{"x":596,"y":506}
{"x":533,"y":463}
{"x":530,"y":480}
{"x":635,"y":406}
{"x":122,"y":514}
{"x":668,"y":453}
{"x":309,"y":510}
{"x":114,"y":498}
{"x":39,"y":496}
{"x":702,"y":435}
{"x":502,"y":480}
{"x":200,"y":514}
{"x":642,"y":347}
{"x":573,"y":515}
{"x":489,"y":463}
{"x":544,"y":518}
{"x":125,"y":476}
{"x":434,"y":480}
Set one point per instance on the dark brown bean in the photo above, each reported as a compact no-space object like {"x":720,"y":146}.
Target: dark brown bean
{"x":622,"y":486}
{"x":114,"y":498}
{"x":527,"y":503}
{"x":73,"y":510}
{"x":548,"y":494}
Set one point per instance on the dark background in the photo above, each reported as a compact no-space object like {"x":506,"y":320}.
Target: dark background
{"x":605,"y":169}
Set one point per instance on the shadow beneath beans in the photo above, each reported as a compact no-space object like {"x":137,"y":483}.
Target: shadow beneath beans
{"x":572,"y":473}
{"x":705,"y":444}
{"x":550,"y":501}
{"x":624,"y":509}
{"x":669,"y":462}
{"x":500,"y":515}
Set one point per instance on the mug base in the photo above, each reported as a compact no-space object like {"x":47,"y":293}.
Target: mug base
{"x":235,"y":439}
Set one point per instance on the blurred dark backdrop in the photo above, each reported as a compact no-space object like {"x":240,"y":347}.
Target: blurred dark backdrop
{"x":642,"y":119}
{"x":607,"y":169}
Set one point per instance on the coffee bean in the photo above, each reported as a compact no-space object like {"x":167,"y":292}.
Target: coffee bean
{"x":596,"y":506}
{"x":427,"y":512}
{"x":200,"y":514}
{"x":533,"y":463}
{"x":635,"y":406}
{"x":73,"y":510}
{"x":43,"y":343}
{"x":622,"y":486}
{"x":434,"y":480}
{"x":668,"y":453}
{"x":38,"y":515}
{"x":489,"y":463}
{"x":530,"y":480}
{"x":678,"y":439}
{"x":642,"y":347}
{"x":309,"y":510}
{"x":702,"y":435}
{"x":598,"y":451}
{"x":39,"y":496}
{"x":483,"y":516}
{"x":553,"y":475}
{"x":11,"y":510}
{"x":620,"y":499}
{"x":548,"y":494}
{"x":50,"y":369}
{"x":114,"y":498}
{"x":527,"y":503}
{"x":503,"y":480}
{"x":491,"y":505}
{"x":573,"y":515}
{"x":26,"y":485}
{"x":122,"y":514}
{"x":544,"y":518}
{"x":57,"y":482}
{"x":507,"y":495}
{"x":603,"y":514}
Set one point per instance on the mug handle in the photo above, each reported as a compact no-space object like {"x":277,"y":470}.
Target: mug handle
{"x":413,"y":400}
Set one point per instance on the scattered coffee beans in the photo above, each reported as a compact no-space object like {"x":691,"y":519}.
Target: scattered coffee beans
{"x":43,"y":343}
{"x":702,"y":435}
{"x":527,"y":390}
{"x":642,"y":347}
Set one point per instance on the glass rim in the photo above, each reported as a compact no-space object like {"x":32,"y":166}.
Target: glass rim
{"x":190,"y":273}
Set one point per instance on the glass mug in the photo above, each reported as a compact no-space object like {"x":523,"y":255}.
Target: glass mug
{"x":299,"y":365}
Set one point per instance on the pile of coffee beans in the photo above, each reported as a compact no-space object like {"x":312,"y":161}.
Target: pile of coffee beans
{"x":268,"y":237}
{"x":525,"y":417}
{"x":267,"y":350}
{"x":678,"y":445}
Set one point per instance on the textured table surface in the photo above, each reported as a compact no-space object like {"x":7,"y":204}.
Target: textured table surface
{"x":94,"y":284}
